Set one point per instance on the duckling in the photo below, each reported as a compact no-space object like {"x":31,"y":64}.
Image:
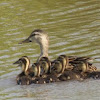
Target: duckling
{"x":89,"y":60}
{"x":45,"y":65}
{"x":80,"y":66}
{"x":66,"y":63}
{"x":23,"y":80}
{"x":63,"y":61}
{"x":23,"y":77}
{"x":84,"y":69}
{"x":60,"y":64}
{"x":57,"y":67}
{"x":46,"y":74}
{"x":84,"y":66}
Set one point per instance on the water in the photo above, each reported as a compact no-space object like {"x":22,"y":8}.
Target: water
{"x":74,"y":29}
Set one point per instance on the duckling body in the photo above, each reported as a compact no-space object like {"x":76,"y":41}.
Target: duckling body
{"x":39,"y":80}
{"x":89,"y":60}
{"x":94,"y":75}
{"x":23,"y":80}
{"x":70,"y":75}
{"x":52,"y":78}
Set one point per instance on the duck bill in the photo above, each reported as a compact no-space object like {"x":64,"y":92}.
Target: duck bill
{"x":25,"y":41}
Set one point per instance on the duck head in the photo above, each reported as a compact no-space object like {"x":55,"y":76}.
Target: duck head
{"x":40,"y":37}
{"x":37,"y":35}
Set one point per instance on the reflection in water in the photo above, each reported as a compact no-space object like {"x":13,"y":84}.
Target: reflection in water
{"x":73,"y":27}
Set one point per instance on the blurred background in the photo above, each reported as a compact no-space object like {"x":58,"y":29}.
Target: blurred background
{"x":74,"y":29}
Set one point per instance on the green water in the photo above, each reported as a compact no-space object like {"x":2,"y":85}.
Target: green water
{"x":74,"y":29}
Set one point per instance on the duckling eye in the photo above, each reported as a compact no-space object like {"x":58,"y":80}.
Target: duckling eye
{"x":53,"y":68}
{"x":20,"y":61}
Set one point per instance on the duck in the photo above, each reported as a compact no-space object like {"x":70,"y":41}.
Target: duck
{"x":23,"y":78}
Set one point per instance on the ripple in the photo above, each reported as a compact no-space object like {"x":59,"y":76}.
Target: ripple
{"x":73,"y":27}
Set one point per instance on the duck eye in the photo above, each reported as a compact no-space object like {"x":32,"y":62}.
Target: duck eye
{"x":33,"y":34}
{"x":30,"y":40}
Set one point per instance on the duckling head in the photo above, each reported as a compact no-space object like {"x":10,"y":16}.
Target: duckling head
{"x":24,"y":62}
{"x":36,"y":69}
{"x":81,"y":66}
{"x":44,"y":59}
{"x":84,"y":67}
{"x":45,"y":65}
{"x":65,"y":61}
{"x":56,"y":67}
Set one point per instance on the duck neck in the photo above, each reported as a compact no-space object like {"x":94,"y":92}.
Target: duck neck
{"x":43,"y":49}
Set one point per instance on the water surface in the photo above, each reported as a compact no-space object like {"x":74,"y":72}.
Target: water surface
{"x":74,"y":29}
